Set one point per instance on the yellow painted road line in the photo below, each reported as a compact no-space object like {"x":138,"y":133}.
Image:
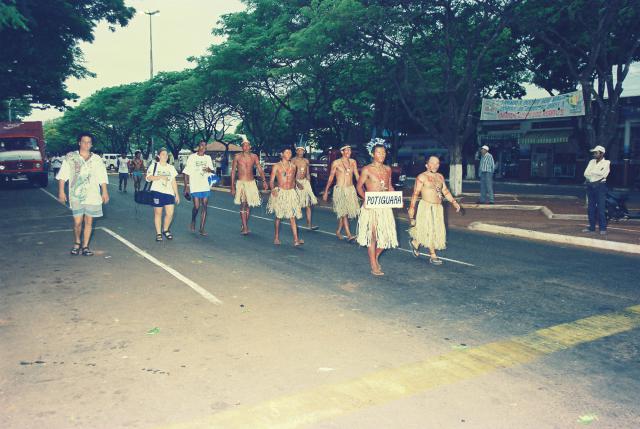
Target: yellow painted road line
{"x":330,"y":401}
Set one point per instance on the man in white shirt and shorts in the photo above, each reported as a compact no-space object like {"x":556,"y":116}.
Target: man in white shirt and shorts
{"x":87,"y":177}
{"x":196,"y":184}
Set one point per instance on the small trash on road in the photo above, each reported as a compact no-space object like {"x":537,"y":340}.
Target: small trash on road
{"x":587,"y":419}
{"x":459,"y":346}
{"x":107,"y":257}
{"x":153,"y":331}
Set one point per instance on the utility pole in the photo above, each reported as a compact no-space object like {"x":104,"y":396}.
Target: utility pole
{"x":9,"y":108}
{"x":151,"y":42}
{"x":151,"y":56}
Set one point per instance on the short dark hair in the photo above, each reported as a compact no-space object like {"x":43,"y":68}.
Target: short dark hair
{"x":85,"y":134}
{"x":286,"y":148}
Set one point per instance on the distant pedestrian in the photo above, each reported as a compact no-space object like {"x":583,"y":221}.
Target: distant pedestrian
{"x":87,"y":177}
{"x":56,"y":163}
{"x":345,"y":198}
{"x":303,"y":183}
{"x":123,"y":172}
{"x":137,"y":170}
{"x":165,"y":193}
{"x":487,"y":167}
{"x":596,"y":179}
{"x":284,"y":201}
{"x":196,"y":185}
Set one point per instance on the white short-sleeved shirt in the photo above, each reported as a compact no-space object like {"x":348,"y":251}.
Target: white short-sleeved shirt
{"x":166,"y":187}
{"x":123,"y":165}
{"x":85,"y":177}
{"x":198,"y":178}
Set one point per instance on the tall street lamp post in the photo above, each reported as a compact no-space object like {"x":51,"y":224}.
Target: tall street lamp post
{"x":151,"y":54}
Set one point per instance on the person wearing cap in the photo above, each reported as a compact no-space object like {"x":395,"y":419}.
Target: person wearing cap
{"x":303,"y":181}
{"x":596,"y":179}
{"x":244,"y":190}
{"x":345,"y":199}
{"x":487,"y":167}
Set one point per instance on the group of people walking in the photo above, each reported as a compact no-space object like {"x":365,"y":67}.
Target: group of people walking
{"x":290,"y":198}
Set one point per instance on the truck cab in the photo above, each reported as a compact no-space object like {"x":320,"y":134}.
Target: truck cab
{"x":22,"y":153}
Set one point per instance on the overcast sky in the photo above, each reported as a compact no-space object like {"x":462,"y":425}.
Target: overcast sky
{"x":181,"y":29}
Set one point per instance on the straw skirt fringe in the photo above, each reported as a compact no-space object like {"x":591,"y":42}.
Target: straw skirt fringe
{"x":382,"y":221}
{"x":429,"y":230}
{"x":345,"y":201}
{"x":247,"y":190}
{"x":307,"y":198}
{"x":286,"y":205}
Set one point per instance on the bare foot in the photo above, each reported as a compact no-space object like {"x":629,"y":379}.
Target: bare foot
{"x":350,"y":238}
{"x":192,"y":227}
{"x":298,"y":243}
{"x":339,"y":235}
{"x":276,"y":242}
{"x":377,"y":272}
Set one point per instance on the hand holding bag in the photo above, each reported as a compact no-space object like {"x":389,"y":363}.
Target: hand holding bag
{"x":145,"y":196}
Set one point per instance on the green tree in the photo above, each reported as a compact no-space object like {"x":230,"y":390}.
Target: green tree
{"x":589,"y":44}
{"x":39,"y":42}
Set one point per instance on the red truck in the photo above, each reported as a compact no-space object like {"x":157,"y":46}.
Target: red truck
{"x":320,"y":168}
{"x":22,"y":153}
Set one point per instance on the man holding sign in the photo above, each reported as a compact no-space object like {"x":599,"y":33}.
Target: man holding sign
{"x":376,"y":225}
{"x":428,"y":230}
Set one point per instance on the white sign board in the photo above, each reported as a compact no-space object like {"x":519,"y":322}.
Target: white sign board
{"x":560,"y":106}
{"x":378,"y":200}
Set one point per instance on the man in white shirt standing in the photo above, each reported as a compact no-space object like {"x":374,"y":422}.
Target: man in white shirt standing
{"x":87,"y":177}
{"x":123,"y":172}
{"x":196,"y":183}
{"x":596,"y":178}
{"x":487,"y":167}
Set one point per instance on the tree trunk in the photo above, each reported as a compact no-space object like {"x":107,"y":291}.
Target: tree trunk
{"x":455,"y":167}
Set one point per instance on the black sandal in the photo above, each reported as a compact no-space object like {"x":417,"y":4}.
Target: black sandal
{"x":86,"y":252}
{"x":158,"y":237}
{"x":76,"y":250}
{"x":168,"y":234}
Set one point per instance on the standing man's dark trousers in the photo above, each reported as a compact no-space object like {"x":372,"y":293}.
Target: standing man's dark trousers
{"x":486,"y":187}
{"x":597,"y":195}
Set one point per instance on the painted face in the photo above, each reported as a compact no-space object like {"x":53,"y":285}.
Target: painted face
{"x":163,"y":156}
{"x":286,"y":154}
{"x":246,"y":146}
{"x":85,"y":143}
{"x":347,"y":152}
{"x":433,"y":164}
{"x":300,"y":152}
{"x":379,"y":154}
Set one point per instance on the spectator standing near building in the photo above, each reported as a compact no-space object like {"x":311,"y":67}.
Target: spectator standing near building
{"x":596,"y":179}
{"x":487,"y":167}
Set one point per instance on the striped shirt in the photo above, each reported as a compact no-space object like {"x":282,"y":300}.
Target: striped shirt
{"x":487,"y":165}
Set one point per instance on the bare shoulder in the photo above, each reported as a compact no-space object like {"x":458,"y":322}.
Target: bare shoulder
{"x":440,"y":176}
{"x":236,"y":156}
{"x":421,"y":177}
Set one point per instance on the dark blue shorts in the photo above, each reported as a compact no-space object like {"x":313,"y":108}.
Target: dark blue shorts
{"x":161,"y":199}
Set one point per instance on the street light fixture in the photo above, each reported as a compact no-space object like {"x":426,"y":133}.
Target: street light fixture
{"x":151,"y":41}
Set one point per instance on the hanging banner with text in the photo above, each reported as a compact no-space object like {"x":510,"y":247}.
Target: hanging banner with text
{"x":379,"y":200}
{"x":560,"y":106}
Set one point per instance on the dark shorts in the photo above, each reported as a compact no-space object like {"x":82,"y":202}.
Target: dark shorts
{"x":204,"y":194}
{"x":161,"y":199}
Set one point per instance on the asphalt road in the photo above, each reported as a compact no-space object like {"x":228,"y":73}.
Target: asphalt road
{"x":490,"y":289}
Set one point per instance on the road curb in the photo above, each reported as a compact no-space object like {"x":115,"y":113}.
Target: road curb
{"x":556,"y":238}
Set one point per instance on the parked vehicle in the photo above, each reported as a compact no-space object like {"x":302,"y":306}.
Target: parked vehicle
{"x":110,"y":160}
{"x":320,"y":168}
{"x":22,"y":152}
{"x":616,"y":207}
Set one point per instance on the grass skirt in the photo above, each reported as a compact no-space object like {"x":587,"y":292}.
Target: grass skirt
{"x":429,"y":230}
{"x":247,"y":191}
{"x":345,"y":201}
{"x":286,"y":205}
{"x":307,"y":198}
{"x":382,"y":221}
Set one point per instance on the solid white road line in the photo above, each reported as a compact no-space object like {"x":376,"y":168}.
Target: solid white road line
{"x":333,"y":234}
{"x":193,"y":285}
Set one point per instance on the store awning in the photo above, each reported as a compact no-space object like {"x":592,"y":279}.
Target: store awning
{"x":545,"y":137}
{"x":500,"y":136}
